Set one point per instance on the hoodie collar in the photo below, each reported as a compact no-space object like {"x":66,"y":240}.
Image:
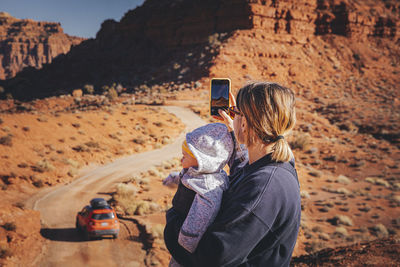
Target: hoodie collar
{"x":250,"y":168}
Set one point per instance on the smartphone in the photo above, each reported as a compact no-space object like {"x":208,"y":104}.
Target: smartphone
{"x":219,"y":96}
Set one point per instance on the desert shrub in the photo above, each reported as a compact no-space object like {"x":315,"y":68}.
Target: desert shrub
{"x":316,"y":174}
{"x":6,"y":129}
{"x":125,"y":191}
{"x":10,"y":226}
{"x":6,"y":140}
{"x":157,"y":231}
{"x":380,"y":230}
{"x":343,"y":179}
{"x":139,"y":140}
{"x":92,"y":144}
{"x":42,"y":119}
{"x":153,"y":172}
{"x":71,"y":162}
{"x":365,"y":208}
{"x":158,"y":123}
{"x":341,"y":219}
{"x":345,"y":209}
{"x":304,"y":194}
{"x":105,"y":88}
{"x":72,"y":172}
{"x":5,"y":252}
{"x":38,"y":183}
{"x":340,"y":232}
{"x":165,"y":140}
{"x":89,"y":89}
{"x":25,"y":129}
{"x":144,"y":181}
{"x":395,"y":199}
{"x":143,"y":207}
{"x":300,"y":141}
{"x":81,"y":148}
{"x":379,"y":181}
{"x":316,"y":229}
{"x":157,"y":146}
{"x":43,"y":166}
{"x":20,"y":205}
{"x":324,"y":236}
{"x":314,"y":246}
{"x":343,"y":191}
{"x":112,"y":94}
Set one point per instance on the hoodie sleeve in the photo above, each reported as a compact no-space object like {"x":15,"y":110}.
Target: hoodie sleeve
{"x":204,"y":208}
{"x":240,"y":156}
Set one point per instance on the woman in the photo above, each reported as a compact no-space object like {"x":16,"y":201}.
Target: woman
{"x":259,"y":218}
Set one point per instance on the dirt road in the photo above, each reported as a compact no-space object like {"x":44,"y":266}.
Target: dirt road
{"x":58,"y":207}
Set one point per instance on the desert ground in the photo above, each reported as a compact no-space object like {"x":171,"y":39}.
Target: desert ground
{"x":61,"y":155}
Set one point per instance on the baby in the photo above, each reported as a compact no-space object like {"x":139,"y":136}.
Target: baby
{"x":202,"y":181}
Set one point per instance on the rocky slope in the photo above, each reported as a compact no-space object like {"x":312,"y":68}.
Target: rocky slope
{"x":27,"y":43}
{"x":380,"y":252}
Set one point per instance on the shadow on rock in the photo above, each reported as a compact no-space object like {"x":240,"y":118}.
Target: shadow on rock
{"x":62,"y":234}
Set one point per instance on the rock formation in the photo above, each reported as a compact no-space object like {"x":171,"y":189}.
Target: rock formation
{"x":27,"y":43}
{"x":345,"y":52}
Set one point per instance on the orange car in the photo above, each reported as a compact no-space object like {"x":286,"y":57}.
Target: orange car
{"x":98,"y":219}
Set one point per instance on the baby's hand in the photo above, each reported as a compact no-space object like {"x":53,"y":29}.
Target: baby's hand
{"x":173,"y":178}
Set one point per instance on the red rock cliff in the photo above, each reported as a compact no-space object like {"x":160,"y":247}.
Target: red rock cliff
{"x":24,"y":42}
{"x":182,"y":40}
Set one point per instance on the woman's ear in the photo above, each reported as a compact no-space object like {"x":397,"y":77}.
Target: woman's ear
{"x":243,"y":124}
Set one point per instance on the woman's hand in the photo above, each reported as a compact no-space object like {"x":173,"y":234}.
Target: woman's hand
{"x":227,"y":120}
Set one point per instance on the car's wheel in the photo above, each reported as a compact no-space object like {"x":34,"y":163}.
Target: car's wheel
{"x":115,"y":236}
{"x":78,"y":227}
{"x":87,"y":235}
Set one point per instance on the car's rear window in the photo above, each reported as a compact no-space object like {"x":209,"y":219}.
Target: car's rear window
{"x":103,"y":216}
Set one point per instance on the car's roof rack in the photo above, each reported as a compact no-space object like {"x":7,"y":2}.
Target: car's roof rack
{"x":99,"y":203}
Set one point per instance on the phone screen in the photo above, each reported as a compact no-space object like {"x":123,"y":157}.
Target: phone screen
{"x":219,"y":95}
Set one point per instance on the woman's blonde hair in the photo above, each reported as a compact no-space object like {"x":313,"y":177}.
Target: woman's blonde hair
{"x":269,"y":109}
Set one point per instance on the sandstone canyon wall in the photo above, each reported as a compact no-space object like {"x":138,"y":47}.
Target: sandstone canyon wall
{"x":27,"y":43}
{"x":178,"y":41}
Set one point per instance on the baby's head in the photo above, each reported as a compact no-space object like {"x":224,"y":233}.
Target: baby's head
{"x":208,"y":148}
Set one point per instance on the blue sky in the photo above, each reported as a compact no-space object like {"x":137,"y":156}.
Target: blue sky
{"x":77,"y":17}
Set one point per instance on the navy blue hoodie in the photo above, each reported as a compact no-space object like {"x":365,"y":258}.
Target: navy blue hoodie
{"x":257,"y":224}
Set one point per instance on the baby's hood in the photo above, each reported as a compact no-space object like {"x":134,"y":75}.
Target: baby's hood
{"x":212,"y":145}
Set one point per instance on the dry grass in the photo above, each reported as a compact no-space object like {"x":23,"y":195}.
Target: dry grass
{"x":377,"y":181}
{"x":125,"y":198}
{"x":300,"y":141}
{"x":380,"y":230}
{"x":304,"y":194}
{"x":341,"y":219}
{"x":157,"y":232}
{"x":341,"y":232}
{"x":343,"y":180}
{"x":43,"y":166}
